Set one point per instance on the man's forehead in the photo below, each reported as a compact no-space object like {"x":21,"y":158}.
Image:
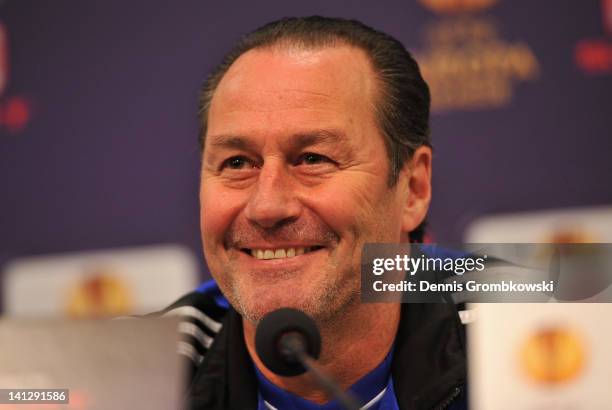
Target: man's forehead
{"x":281,"y":77}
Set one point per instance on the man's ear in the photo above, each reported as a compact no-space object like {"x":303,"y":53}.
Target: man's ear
{"x":417,"y":179}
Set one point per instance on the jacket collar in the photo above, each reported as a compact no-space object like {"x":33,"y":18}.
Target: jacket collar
{"x":226,"y":378}
{"x":429,"y":363}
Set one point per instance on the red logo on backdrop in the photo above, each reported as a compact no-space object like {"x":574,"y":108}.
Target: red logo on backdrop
{"x":594,"y":56}
{"x":607,"y":16}
{"x":14,"y":110}
{"x":4,"y":65}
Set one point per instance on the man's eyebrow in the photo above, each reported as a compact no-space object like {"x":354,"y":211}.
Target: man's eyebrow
{"x":295,"y":141}
{"x":305,"y":139}
{"x":231,"y":142}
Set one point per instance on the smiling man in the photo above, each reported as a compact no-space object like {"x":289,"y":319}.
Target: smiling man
{"x":315,"y":138}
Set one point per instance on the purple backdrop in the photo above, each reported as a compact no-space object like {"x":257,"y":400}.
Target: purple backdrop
{"x":109,"y":155}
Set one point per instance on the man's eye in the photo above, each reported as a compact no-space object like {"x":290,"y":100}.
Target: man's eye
{"x":236,"y":163}
{"x":310,"y":158}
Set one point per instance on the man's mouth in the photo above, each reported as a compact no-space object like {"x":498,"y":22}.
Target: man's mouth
{"x":279,"y":253}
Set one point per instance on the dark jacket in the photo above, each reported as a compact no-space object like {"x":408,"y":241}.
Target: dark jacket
{"x":428,"y":369}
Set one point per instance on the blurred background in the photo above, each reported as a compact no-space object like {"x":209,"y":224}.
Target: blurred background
{"x":99,"y":161}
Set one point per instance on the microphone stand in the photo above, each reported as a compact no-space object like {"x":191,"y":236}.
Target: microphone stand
{"x":293,"y":348}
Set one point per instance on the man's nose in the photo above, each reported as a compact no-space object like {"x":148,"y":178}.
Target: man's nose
{"x":273,"y":201}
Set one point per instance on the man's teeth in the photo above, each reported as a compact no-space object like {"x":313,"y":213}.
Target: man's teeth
{"x":279,"y":253}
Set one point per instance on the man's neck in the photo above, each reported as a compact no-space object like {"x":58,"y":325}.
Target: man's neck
{"x":352,"y":346}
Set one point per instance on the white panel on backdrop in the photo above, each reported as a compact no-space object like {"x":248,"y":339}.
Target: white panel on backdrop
{"x":540,"y":356}
{"x":99,"y":283}
{"x":555,"y":225}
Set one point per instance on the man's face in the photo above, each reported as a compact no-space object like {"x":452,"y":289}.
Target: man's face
{"x":294,"y":180}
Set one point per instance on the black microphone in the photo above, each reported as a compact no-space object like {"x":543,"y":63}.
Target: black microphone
{"x":288,"y":343}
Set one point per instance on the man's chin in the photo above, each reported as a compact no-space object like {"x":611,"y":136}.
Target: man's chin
{"x":321,"y":306}
{"x":315,"y":295}
{"x":254,"y":309}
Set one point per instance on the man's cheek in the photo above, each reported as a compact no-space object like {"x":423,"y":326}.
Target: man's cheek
{"x":218,"y":209}
{"x":211,"y":222}
{"x":336,"y":207}
{"x":347,"y":217}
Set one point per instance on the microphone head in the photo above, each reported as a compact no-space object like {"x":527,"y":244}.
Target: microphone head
{"x":273,"y":327}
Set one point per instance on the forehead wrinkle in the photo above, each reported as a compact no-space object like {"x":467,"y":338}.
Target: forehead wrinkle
{"x":267,"y":101}
{"x":314,"y":93}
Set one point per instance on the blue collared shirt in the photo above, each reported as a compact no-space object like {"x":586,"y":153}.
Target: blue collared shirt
{"x":374,"y":390}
